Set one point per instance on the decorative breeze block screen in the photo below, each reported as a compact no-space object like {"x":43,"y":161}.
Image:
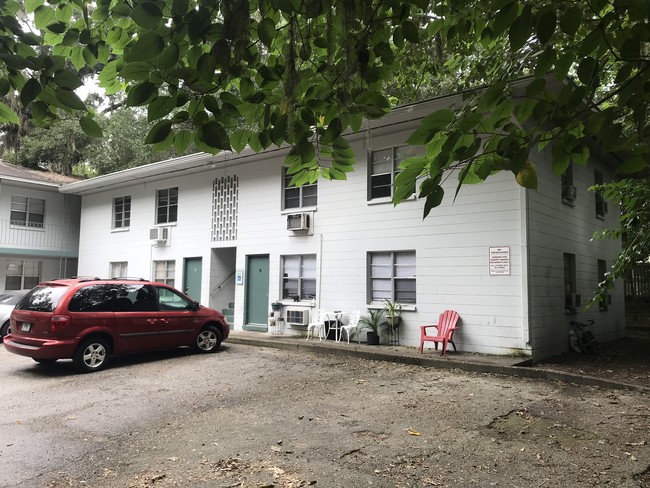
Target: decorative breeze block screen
{"x":224,"y":208}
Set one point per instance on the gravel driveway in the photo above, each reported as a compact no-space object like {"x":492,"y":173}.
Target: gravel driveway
{"x":261,"y":417}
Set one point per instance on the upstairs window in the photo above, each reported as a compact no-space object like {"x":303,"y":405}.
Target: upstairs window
{"x":167,"y":206}
{"x":601,"y":204}
{"x":391,"y":276}
{"x":298,"y":196}
{"x":569,"y":191}
{"x":27,"y":212}
{"x":299,"y":277}
{"x":121,"y":212}
{"x":384,"y":167}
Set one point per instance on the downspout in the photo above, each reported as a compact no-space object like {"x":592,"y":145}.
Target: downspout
{"x":525,"y":257}
{"x":320,"y":267}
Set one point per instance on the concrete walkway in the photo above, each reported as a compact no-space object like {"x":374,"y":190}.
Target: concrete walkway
{"x":474,"y":362}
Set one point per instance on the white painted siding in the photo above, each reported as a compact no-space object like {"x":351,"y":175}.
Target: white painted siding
{"x":451,"y":245}
{"x":556,"y":228}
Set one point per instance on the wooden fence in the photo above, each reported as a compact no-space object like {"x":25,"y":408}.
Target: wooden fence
{"x":637,"y":282}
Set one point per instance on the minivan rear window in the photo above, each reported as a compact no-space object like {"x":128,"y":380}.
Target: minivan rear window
{"x":42,"y":298}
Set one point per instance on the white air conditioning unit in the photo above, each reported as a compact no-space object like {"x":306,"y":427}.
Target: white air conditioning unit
{"x":297,"y":316}
{"x":298,"y":221}
{"x":569,"y":193}
{"x":159,"y":234}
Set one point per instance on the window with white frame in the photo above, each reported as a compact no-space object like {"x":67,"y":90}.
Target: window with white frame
{"x":384,"y":167}
{"x":391,"y":276}
{"x":299,"y":277}
{"x":298,"y":196}
{"x":164,"y":272}
{"x":121,"y":212}
{"x":166,"y":205}
{"x":23,"y":274}
{"x":27,"y":211}
{"x":119,"y":269}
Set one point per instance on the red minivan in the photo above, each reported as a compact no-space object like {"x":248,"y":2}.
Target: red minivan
{"x":88,"y":320}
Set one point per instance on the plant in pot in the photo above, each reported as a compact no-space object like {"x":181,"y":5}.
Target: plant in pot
{"x":393,"y":311}
{"x":373,"y":321}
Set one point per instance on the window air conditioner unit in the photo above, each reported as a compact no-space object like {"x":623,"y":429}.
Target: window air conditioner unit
{"x":297,"y":316}
{"x":569,"y":193}
{"x":601,"y":208}
{"x":159,"y":234}
{"x":298,"y":221}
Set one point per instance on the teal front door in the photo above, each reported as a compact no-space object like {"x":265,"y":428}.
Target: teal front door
{"x":257,"y":292}
{"x":192,"y":278}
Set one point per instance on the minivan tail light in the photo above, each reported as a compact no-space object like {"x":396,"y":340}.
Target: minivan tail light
{"x":58,"y":322}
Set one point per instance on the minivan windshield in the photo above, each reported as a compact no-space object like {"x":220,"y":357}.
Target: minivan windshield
{"x":42,"y":298}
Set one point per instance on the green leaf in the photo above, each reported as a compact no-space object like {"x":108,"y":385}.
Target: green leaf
{"x":182,"y":140}
{"x":140,"y":94}
{"x":150,"y":45}
{"x":90,"y":127}
{"x":333,"y":130}
{"x":430,"y":126}
{"x":69,"y":99}
{"x":214,"y":135}
{"x":30,"y":91}
{"x":434,"y":199}
{"x":588,"y":71}
{"x":160,"y":107}
{"x":66,"y":79}
{"x":147,"y":15}
{"x":7,"y":115}
{"x":633,"y":164}
{"x":411,"y":32}
{"x":135,"y":71}
{"x":266,"y":31}
{"x":206,"y":66}
{"x":43,"y":15}
{"x":546,"y":25}
{"x":520,"y":30}
{"x":32,"y":5}
{"x":159,"y":132}
{"x":239,"y":140}
{"x":571,"y":20}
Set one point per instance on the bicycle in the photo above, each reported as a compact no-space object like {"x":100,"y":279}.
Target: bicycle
{"x":581,"y":339}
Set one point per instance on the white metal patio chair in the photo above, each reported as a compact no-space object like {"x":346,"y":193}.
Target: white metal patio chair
{"x":317,"y":324}
{"x":351,"y":327}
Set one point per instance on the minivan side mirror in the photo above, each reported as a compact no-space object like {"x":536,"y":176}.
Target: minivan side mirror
{"x":195,"y":306}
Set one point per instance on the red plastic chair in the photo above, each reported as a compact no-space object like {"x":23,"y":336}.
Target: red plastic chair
{"x":445,"y":331}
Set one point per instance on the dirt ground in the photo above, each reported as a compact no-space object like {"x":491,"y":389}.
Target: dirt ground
{"x":626,"y":360}
{"x":272,"y":418}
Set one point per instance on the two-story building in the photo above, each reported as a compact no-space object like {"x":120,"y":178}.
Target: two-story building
{"x":39,"y":227}
{"x":518,"y":265}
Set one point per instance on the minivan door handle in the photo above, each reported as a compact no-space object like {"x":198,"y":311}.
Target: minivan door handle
{"x":151,"y":321}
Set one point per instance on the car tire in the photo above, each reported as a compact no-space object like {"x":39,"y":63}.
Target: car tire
{"x":91,"y":355}
{"x":45,"y":361}
{"x":4,"y":330}
{"x":208,"y":340}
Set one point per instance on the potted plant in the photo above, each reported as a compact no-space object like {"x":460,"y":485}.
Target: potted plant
{"x":393,"y":311}
{"x":373,"y":321}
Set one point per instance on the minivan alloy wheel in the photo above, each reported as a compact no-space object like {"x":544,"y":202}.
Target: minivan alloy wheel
{"x":209,"y":339}
{"x":92,"y":355}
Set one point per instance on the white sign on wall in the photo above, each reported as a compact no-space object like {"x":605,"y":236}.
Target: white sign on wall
{"x":499,"y":261}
